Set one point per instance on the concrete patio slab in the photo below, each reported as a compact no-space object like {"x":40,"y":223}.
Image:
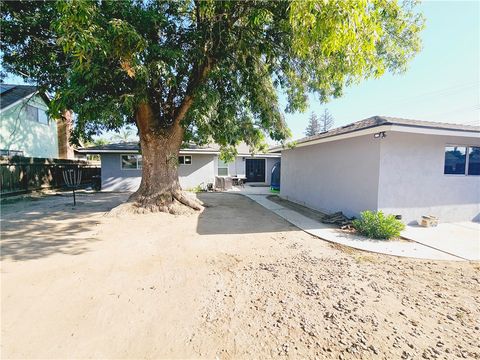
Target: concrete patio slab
{"x":461,"y":239}
{"x":333,"y":234}
{"x":258,"y":189}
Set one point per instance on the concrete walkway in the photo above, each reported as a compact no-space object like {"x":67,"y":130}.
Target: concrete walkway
{"x":461,"y":239}
{"x":331,"y":233}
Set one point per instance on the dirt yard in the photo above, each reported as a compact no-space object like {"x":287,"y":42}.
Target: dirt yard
{"x":235,"y":281}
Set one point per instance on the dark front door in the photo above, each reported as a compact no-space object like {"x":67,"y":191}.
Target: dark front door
{"x":255,"y":170}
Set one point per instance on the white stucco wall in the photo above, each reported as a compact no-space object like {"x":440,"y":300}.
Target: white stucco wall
{"x":114,"y":178}
{"x":201,"y":171}
{"x":237,"y":167}
{"x":335,"y":176}
{"x":412,"y":182}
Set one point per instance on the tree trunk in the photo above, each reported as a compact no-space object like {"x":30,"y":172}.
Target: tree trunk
{"x":159,"y":189}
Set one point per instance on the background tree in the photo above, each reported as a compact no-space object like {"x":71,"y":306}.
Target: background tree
{"x":326,"y":121}
{"x":201,"y":71}
{"x":313,"y":127}
{"x":124,"y":134}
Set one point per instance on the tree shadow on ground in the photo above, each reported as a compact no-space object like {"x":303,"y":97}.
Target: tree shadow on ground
{"x":230,"y":213}
{"x":33,"y":229}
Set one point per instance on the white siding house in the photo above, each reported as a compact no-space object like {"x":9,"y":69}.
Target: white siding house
{"x":403,"y":167}
{"x":25,"y":128}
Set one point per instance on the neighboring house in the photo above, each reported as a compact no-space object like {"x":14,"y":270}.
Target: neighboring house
{"x":25,"y":128}
{"x":403,"y":167}
{"x":122,"y":165}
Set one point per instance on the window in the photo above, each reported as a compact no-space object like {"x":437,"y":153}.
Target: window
{"x":42,"y":117}
{"x":36,"y":114}
{"x":455,"y":159}
{"x":474,"y":160}
{"x":32,"y":113}
{"x":462,"y":160}
{"x":185,"y":160}
{"x":131,"y":162}
{"x":222,"y":168}
{"x":6,"y":152}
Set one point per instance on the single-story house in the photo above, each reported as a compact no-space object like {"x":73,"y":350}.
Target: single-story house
{"x":403,"y":167}
{"x":198,"y":165}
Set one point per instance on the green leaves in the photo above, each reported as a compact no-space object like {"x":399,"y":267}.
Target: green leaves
{"x":377,"y":225}
{"x":103,"y":58}
{"x":342,"y":42}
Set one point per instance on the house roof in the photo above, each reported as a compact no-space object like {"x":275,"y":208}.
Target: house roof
{"x":377,"y":121}
{"x":133,"y":147}
{"x":11,"y":94}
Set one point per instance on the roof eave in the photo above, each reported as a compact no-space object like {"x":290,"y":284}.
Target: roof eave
{"x":28,"y":97}
{"x":409,"y":128}
{"x":182,"y":151}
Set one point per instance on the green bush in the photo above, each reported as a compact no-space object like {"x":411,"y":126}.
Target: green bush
{"x":196,"y":189}
{"x":377,"y":225}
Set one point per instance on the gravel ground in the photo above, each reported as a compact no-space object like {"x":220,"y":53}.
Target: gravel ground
{"x":233,"y":282}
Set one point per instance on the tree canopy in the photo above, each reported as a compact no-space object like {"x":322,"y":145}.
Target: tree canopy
{"x":215,"y":66}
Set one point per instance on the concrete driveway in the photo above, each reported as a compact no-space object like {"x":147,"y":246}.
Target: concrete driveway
{"x":461,"y":239}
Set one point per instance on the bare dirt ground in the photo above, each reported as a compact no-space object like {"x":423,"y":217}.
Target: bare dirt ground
{"x":235,"y":281}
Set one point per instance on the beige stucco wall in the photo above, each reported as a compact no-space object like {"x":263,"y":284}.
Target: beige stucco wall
{"x":412,"y":182}
{"x":33,"y":138}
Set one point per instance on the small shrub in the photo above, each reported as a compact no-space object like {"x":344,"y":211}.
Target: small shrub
{"x":377,"y":225}
{"x":196,"y":189}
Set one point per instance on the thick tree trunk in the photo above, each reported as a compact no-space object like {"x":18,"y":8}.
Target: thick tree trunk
{"x":159,"y":189}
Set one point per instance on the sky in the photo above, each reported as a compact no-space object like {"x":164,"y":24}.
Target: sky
{"x":442,"y":83}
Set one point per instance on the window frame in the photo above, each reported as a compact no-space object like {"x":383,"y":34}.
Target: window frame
{"x":137,"y":156}
{"x":9,"y":153}
{"x":184,"y":156}
{"x":467,"y":159}
{"x":222,"y":167}
{"x":37,"y":114}
{"x":28,"y":109}
{"x":467,"y":166}
{"x":39,"y":111}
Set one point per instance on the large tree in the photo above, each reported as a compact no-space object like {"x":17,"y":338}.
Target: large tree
{"x":193,"y":70}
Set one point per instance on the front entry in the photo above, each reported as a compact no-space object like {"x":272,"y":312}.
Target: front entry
{"x":255,"y":170}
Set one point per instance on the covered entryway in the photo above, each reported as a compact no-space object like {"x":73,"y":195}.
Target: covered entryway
{"x":255,"y":170}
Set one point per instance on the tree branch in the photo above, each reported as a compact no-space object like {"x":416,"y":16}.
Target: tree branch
{"x":197,"y":78}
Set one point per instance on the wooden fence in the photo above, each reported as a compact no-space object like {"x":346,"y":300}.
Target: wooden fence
{"x":23,"y":174}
